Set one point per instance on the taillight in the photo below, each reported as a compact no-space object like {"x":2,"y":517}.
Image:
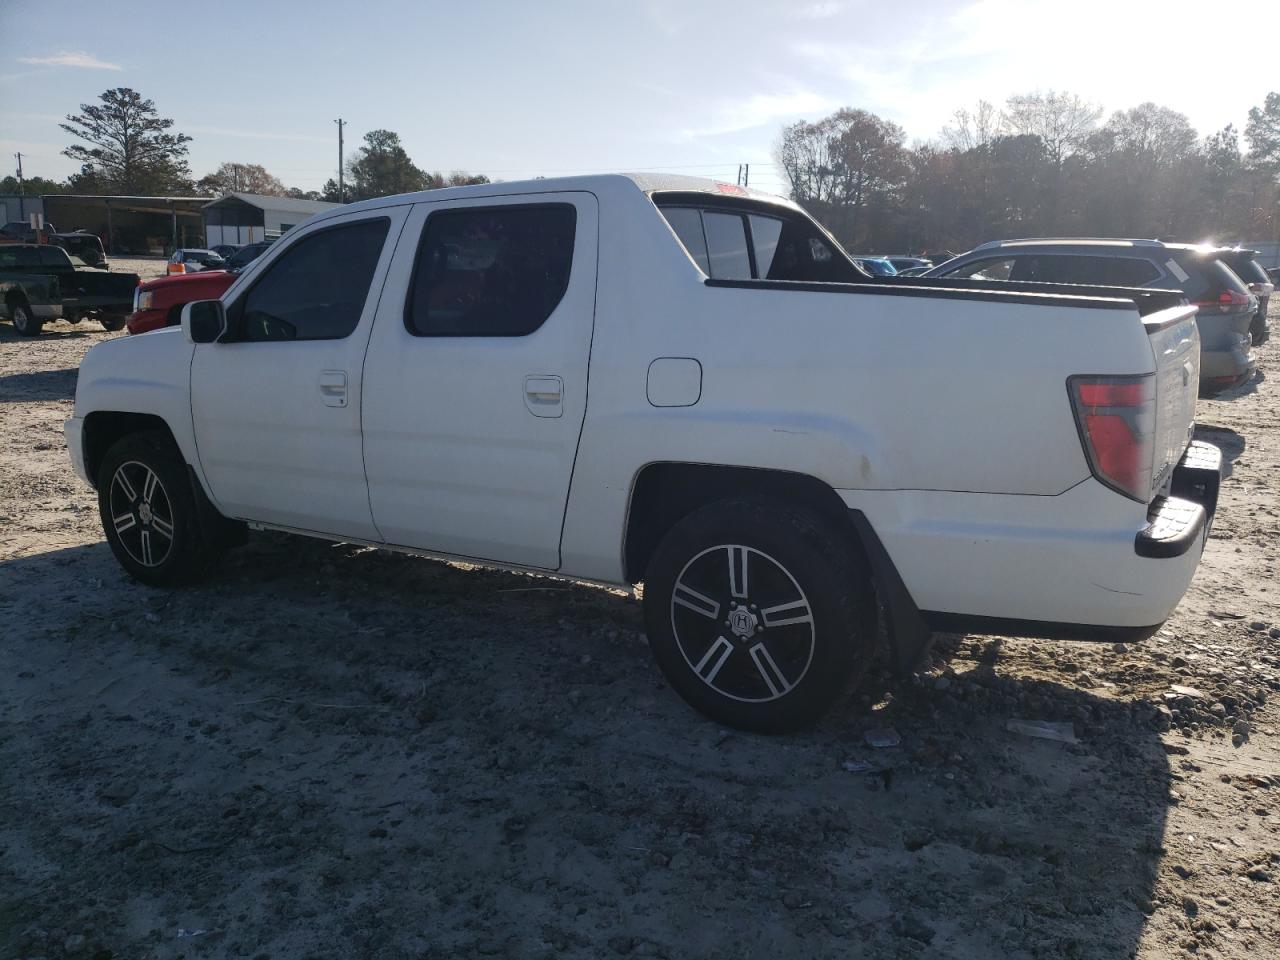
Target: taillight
{"x":1116,"y":417}
{"x":1227,"y":301}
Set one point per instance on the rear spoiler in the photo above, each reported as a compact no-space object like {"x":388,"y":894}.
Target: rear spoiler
{"x":1147,"y":301}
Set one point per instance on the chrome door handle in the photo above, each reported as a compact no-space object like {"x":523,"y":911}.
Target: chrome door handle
{"x":333,"y":387}
{"x":544,"y":395}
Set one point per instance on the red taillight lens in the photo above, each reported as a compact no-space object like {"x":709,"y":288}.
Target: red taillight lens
{"x":1116,"y":417}
{"x":1227,"y":300}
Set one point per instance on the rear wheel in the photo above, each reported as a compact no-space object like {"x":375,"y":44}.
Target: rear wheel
{"x":24,"y":320}
{"x":149,"y":512}
{"x":757,"y":614}
{"x":112,"y":321}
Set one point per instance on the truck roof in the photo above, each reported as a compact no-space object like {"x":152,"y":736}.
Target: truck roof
{"x":604,"y":183}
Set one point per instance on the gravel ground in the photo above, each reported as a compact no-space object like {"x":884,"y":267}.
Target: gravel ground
{"x":325,"y":751}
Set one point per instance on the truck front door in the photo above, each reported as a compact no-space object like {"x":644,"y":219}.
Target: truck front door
{"x":277,"y":406}
{"x":475,"y":384}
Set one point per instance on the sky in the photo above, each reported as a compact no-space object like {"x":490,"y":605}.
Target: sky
{"x":557,"y":87}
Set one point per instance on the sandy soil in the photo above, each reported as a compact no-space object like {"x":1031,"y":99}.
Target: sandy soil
{"x":326,"y":751}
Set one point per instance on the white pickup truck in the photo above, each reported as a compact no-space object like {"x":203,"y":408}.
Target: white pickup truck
{"x":674,"y":381}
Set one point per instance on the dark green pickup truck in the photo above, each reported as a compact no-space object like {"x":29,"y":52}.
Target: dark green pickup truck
{"x":38,"y":282}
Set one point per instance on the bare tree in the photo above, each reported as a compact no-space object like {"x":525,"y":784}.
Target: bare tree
{"x":1062,"y":120}
{"x":241,"y":178}
{"x":971,"y":131}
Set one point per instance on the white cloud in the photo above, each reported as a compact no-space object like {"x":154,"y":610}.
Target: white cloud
{"x":758,"y":110}
{"x":823,"y":10}
{"x":71,"y":58}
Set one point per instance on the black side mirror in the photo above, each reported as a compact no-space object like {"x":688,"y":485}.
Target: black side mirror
{"x":204,"y":321}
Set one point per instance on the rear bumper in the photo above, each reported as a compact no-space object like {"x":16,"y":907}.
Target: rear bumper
{"x":1227,"y":368}
{"x":1183,"y":519}
{"x":1086,"y":564}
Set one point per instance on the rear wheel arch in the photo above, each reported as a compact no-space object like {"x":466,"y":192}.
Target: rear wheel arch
{"x":664,"y":493}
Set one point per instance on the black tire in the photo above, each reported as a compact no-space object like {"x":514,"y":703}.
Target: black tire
{"x":725,"y":602}
{"x":153,"y":526}
{"x":24,"y":320}
{"x":112,"y":321}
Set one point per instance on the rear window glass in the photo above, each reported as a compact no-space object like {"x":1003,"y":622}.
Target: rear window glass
{"x":1248,"y":269}
{"x":1225,"y":278}
{"x":727,"y":245}
{"x":52,"y":257}
{"x":741,"y":244}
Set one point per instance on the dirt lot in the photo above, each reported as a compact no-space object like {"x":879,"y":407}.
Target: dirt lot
{"x":326,"y":751}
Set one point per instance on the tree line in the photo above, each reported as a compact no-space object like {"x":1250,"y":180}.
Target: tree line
{"x":127,"y":149}
{"x":1046,"y":164}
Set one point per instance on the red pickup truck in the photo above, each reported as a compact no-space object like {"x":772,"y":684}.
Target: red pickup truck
{"x":159,"y":303}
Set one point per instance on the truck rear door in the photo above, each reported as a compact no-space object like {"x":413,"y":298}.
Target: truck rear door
{"x":475,"y":383}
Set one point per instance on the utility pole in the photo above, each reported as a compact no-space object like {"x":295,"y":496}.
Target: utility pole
{"x":746,"y":174}
{"x":341,"y":193}
{"x":22,"y":191}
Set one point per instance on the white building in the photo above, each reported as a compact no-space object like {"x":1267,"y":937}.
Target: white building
{"x":240,"y":218}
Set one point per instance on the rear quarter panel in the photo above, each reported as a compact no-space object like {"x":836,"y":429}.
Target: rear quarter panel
{"x":864,"y":392}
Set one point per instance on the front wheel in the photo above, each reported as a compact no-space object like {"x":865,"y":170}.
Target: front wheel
{"x":112,"y":322}
{"x":758,"y":614}
{"x":149,"y":512}
{"x":24,"y":321}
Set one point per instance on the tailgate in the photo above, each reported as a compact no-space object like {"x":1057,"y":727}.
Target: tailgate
{"x":1175,"y":342}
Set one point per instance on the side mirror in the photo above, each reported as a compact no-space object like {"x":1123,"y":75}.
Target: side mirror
{"x":204,"y":321}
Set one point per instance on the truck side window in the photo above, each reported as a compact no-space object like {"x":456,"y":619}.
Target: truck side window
{"x":492,"y":272}
{"x":52,"y":257}
{"x":317,"y":288}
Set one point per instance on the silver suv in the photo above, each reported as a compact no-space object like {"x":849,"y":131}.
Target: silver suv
{"x":1226,"y":306}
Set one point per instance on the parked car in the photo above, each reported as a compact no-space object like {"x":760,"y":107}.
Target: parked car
{"x":1247,"y":268}
{"x":40,"y":283}
{"x":157,"y":303}
{"x":224,"y":250}
{"x":193,"y":261}
{"x":876,"y":266}
{"x":1226,"y":306}
{"x":86,"y":246}
{"x":411,"y":372}
{"x":909,"y":263}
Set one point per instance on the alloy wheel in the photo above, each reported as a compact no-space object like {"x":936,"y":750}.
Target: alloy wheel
{"x":141,"y":513}
{"x":742,"y":623}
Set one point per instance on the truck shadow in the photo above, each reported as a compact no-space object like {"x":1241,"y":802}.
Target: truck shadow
{"x":499,"y":752}
{"x":61,"y":332}
{"x":43,"y":385}
{"x":1225,"y":439}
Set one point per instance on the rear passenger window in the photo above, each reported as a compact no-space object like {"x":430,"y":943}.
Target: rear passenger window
{"x":494,"y":272}
{"x":52,"y":257}
{"x":315,"y":290}
{"x":1131,"y":272}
